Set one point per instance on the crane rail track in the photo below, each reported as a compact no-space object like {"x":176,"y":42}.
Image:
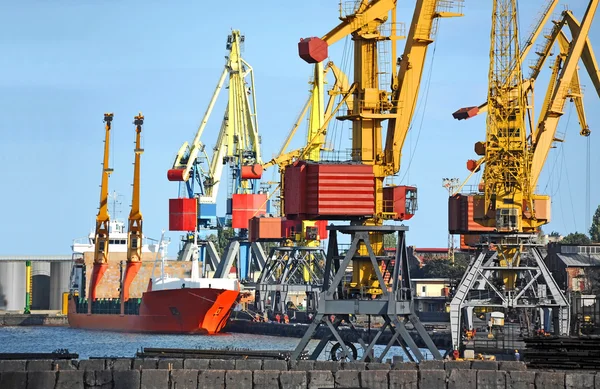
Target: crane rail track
{"x":215,"y":353}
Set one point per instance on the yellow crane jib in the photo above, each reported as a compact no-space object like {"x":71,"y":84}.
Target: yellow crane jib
{"x":237,"y":146}
{"x":134,"y":235}
{"x":102,"y":219}
{"x":188,"y":153}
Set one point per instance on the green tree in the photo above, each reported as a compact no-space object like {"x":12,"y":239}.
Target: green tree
{"x":213,"y":238}
{"x":222,"y":239}
{"x":576,"y":238}
{"x":595,"y":227}
{"x":442,"y":268}
{"x":390,"y":241}
{"x":554,"y":234}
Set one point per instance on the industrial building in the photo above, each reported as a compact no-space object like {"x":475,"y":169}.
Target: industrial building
{"x":575,"y":268}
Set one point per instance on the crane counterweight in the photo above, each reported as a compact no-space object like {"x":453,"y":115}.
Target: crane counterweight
{"x":313,"y":50}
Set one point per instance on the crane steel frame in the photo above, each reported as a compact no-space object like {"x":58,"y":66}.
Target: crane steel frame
{"x":527,"y":286}
{"x":371,"y":107}
{"x":237,"y":146}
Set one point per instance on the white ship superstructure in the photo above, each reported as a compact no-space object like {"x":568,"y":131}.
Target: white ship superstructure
{"x":116,"y":244}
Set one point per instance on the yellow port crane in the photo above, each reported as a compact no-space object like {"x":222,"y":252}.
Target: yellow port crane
{"x":135,"y":235}
{"x":238,"y":147}
{"x":512,"y":156}
{"x":298,"y":261}
{"x":359,"y":194}
{"x":373,"y":105}
{"x":319,"y":119}
{"x":102,"y":218}
{"x":238,"y":143}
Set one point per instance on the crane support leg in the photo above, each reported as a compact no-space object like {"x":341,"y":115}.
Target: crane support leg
{"x":289,"y":270}
{"x":28,"y":288}
{"x":534,"y":290}
{"x":131,"y":271}
{"x":211,"y":256}
{"x":231,"y":253}
{"x":97,"y":274}
{"x":394,"y":307}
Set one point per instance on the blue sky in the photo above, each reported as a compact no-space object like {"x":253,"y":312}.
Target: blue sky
{"x":65,"y":63}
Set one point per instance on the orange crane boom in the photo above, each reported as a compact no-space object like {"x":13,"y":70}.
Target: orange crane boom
{"x":103,"y":218}
{"x":134,"y":238}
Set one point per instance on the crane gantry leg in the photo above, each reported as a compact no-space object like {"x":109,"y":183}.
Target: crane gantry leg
{"x":290,"y":270}
{"x":534,"y":289}
{"x":395,"y":307}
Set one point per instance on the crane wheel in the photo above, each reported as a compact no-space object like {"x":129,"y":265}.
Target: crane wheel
{"x":337,"y":351}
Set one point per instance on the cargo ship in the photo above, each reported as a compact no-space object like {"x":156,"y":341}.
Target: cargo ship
{"x":170,"y":305}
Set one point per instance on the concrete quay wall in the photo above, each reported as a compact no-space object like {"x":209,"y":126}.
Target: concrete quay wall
{"x":34,"y":319}
{"x":254,"y":373}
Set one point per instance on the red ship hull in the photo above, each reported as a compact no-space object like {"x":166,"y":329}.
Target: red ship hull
{"x":171,"y":311}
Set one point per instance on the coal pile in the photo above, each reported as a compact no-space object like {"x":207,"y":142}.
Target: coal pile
{"x":562,"y":352}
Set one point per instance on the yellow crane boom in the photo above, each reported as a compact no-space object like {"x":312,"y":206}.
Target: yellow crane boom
{"x":103,"y":218}
{"x":405,"y":93}
{"x":134,"y":235}
{"x":544,"y":135}
{"x":318,"y":120}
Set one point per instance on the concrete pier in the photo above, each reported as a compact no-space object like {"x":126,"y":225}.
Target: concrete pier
{"x":254,"y":374}
{"x":12,"y":286}
{"x":33,"y":319}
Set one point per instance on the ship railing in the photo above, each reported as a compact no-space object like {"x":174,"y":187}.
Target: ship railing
{"x":109,"y":306}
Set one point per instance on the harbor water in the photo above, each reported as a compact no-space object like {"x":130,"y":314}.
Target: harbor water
{"x":88,"y":343}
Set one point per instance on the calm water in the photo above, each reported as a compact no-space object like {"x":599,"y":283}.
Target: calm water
{"x":109,"y":344}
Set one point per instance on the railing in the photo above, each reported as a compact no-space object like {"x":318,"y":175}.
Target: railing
{"x":382,"y":106}
{"x":109,"y":306}
{"x":450,"y":6}
{"x":347,"y":155}
{"x":348,"y":8}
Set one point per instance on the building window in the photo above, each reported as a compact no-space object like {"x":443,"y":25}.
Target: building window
{"x":424,"y":290}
